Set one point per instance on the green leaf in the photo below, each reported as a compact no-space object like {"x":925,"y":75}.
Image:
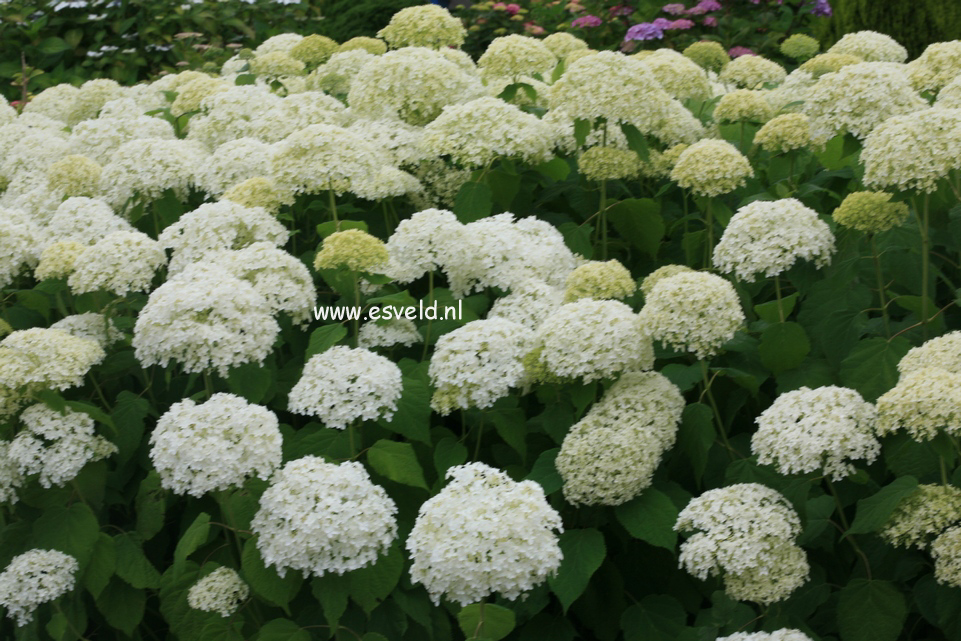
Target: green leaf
{"x":639,"y":221}
{"x":636,"y":141}
{"x":266,"y":582}
{"x":486,"y":621}
{"x":73,"y":530}
{"x":696,"y":435}
{"x":655,"y":618}
{"x":872,"y":366}
{"x":151,"y":504}
{"x":51,"y":46}
{"x":504,"y":187}
{"x":102,"y":564}
{"x":473,"y":202}
{"x":874,"y":511}
{"x":397,"y":462}
{"x":122,"y":605}
{"x":582,"y":128}
{"x":871,"y":611}
{"x":92,"y":411}
{"x":326,"y":229}
{"x":282,"y":630}
{"x":331,"y":590}
{"x":193,"y":538}
{"x":57,"y":626}
{"x":650,"y":517}
{"x":323,"y":338}
{"x":447,"y":453}
{"x":245,"y":79}
{"x":221,"y":629}
{"x":252,"y":381}
{"x":783,"y":346}
{"x":129,"y":413}
{"x":556,"y":169}
{"x":370,"y":585}
{"x":584,"y":551}
{"x":511,"y":425}
{"x":769,"y":311}
{"x":132,"y":565}
{"x":412,"y":418}
{"x":545,"y":473}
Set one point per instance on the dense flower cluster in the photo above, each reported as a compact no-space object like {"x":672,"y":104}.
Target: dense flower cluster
{"x":946,"y":550}
{"x":352,"y":249}
{"x":222,"y":591}
{"x":484,"y":533}
{"x":319,"y":517}
{"x":870,"y":212}
{"x":33,"y":578}
{"x":870,"y":46}
{"x":913,"y":151}
{"x":786,"y":132}
{"x":711,"y":167}
{"x":599,"y":280}
{"x":752,"y":72}
{"x":923,"y":516}
{"x":924,"y":401}
{"x":426,"y":25}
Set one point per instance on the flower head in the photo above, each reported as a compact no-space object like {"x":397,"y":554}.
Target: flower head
{"x":425,"y":25}
{"x":870,"y":212}
{"x":922,"y":516}
{"x":34,"y":578}
{"x":222,"y":591}
{"x":711,"y":167}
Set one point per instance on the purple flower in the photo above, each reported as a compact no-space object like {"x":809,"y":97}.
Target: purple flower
{"x":821,"y":8}
{"x":621,"y":11}
{"x":645,"y":31}
{"x":681,"y":24}
{"x":710,"y":21}
{"x":703,"y":7}
{"x":675,"y":9}
{"x":587,"y":21}
{"x":736,"y":52}
{"x":662,"y":23}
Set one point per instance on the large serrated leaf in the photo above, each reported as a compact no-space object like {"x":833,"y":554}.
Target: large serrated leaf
{"x":783,"y":346}
{"x":872,"y":366}
{"x":397,"y":462}
{"x":486,"y":621}
{"x":650,"y":517}
{"x":584,"y":551}
{"x":874,"y":511}
{"x":871,"y":611}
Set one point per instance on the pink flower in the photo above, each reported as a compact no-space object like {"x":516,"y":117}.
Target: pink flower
{"x":533,"y":29}
{"x":710,"y":21}
{"x":512,"y":8}
{"x":587,"y":21}
{"x":703,"y":7}
{"x":681,"y":24}
{"x":674,"y":9}
{"x":736,"y":52}
{"x":621,"y":11}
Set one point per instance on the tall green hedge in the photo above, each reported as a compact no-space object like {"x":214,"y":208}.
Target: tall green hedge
{"x":346,"y":19}
{"x":913,"y":23}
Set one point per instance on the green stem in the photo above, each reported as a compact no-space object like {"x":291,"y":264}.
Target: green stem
{"x":925,"y":265}
{"x":333,"y":207}
{"x":881,"y":295}
{"x":208,"y":384}
{"x":944,"y":470}
{"x":777,"y":291}
{"x":847,"y":527}
{"x":709,"y":249}
{"x":480,"y":434}
{"x":603,"y":221}
{"x":355,"y":322}
{"x":717,"y":413}
{"x":350,"y":436}
{"x":430,"y":299}
{"x":480,"y":621}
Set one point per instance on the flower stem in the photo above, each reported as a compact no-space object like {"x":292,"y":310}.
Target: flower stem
{"x":717,"y":413}
{"x":881,"y":296}
{"x":847,"y":527}
{"x":777,"y":291}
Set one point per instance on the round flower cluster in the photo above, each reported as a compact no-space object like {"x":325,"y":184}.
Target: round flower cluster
{"x":216,"y":226}
{"x":191,"y":94}
{"x":352,"y":249}
{"x":943,"y":352}
{"x":745,"y":531}
{"x":950,"y":95}
{"x":56,"y":446}
{"x":659,"y":274}
{"x":946,"y":551}
{"x":870,"y":46}
{"x":91,"y":326}
{"x":817,"y":429}
{"x":425,"y":25}
{"x":743,"y":105}
{"x":478,"y":132}
{"x":345,"y":384}
{"x":20,"y":237}
{"x":222,"y":591}
{"x":923,"y":402}
{"x":40,"y":358}
{"x":784,"y":634}
{"x":148,"y":167}
{"x":58,"y":259}
{"x":589,"y":340}
{"x":215,"y":445}
{"x":800,"y":47}
{"x":609,"y":163}
{"x":85,"y":221}
{"x":314,"y":50}
{"x":599,"y":280}
{"x":783,"y":133}
{"x":515,"y":56}
{"x":375,"y":46}
{"x":923,"y":516}
{"x":610,"y":455}
{"x":422,"y":242}
{"x":828,"y":63}
{"x":121,"y":262}
{"x":234,"y":162}
{"x":681,"y":77}
{"x":913,"y":151}
{"x":478,"y":363}
{"x":708,"y":55}
{"x":529,"y":304}
{"x":74,"y":175}
{"x":397,"y":331}
{"x":938,"y":65}
{"x":318,"y":517}
{"x":484,"y":533}
{"x":751,"y":72}
{"x":870,"y":212}
{"x":692,"y":311}
{"x":336,"y":75}
{"x":33,"y":578}
{"x":858,"y":98}
{"x":711,"y":167}
{"x":259,"y":191}
{"x":768,"y":237}
{"x":204,"y":318}
{"x":561,"y":43}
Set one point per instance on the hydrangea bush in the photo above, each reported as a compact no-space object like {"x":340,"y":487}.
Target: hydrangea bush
{"x":672,"y":349}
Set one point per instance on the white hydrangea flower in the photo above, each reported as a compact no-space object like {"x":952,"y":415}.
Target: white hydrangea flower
{"x":783,"y":634}
{"x":39,"y":358}
{"x":19,"y":240}
{"x":750,"y":72}
{"x":476,"y":133}
{"x":421,"y":243}
{"x":745,"y":531}
{"x":817,"y":429}
{"x":214,"y":445}
{"x":412,"y":84}
{"x":56,"y":446}
{"x":946,"y":551}
{"x":692,"y":311}
{"x":92,"y":326}
{"x":232,"y":163}
{"x":281,"y":278}
{"x":513,"y":56}
{"x":870,"y":46}
{"x":121,"y":262}
{"x":99,"y":139}
{"x":318,"y":517}
{"x":943,"y":352}
{"x":345,"y":384}
{"x":590,"y":339}
{"x":425,"y":25}
{"x":478,"y":363}
{"x":58,"y":259}
{"x":296,"y":112}
{"x":222,"y":591}
{"x":858,"y":98}
{"x":562,"y":43}
{"x":922,"y":516}
{"x":10,"y":477}
{"x":913,"y":151}
{"x":609,"y":457}
{"x":91,"y":98}
{"x":232,"y":114}
{"x":484,"y":533}
{"x":680,"y":76}
{"x":398,"y":140}
{"x":33,"y":578}
{"x":768,"y":237}
{"x":711,"y":167}
{"x":148,"y":167}
{"x":84,"y":220}
{"x":923,"y":402}
{"x":396,"y":331}
{"x":336,"y":75}
{"x":282,"y":42}
{"x":217,"y":226}
{"x":204,"y":318}
{"x":530,"y":303}
{"x":939,"y":64}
